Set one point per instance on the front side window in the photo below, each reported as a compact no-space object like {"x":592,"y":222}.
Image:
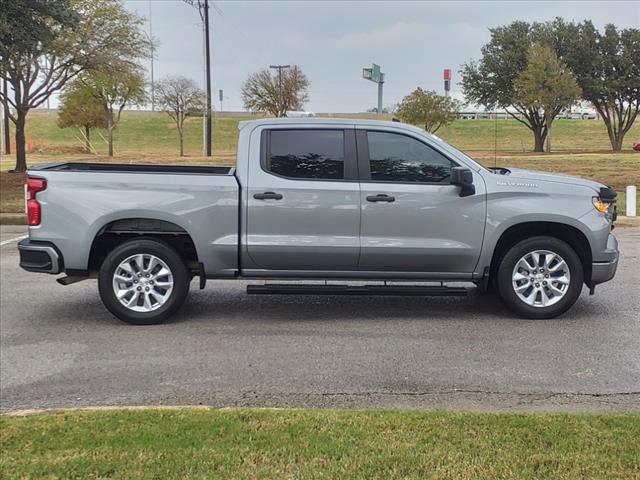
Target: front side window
{"x":315,"y":154}
{"x":399,"y":158}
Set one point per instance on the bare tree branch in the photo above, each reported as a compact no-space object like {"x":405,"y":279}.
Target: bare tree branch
{"x":275,"y":94}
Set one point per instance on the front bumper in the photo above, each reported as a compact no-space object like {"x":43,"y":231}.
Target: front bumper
{"x":603,"y":271}
{"x":41,"y":257}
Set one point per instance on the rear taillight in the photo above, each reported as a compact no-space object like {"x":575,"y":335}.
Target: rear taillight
{"x":34,"y":213}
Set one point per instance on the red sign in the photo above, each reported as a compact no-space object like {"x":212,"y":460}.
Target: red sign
{"x":447,"y":74}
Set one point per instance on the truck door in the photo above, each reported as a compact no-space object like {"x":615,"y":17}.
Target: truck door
{"x":413,"y":219}
{"x":303,"y":201}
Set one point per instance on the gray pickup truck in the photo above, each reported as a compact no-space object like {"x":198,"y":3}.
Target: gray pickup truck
{"x":358,"y":202}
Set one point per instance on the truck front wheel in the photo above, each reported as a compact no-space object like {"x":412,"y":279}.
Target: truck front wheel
{"x":540,"y":277}
{"x":143,"y":282}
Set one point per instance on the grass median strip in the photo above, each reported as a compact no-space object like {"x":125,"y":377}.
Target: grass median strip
{"x":251,"y":443}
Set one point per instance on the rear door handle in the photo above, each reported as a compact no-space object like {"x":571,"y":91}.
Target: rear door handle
{"x":381,"y":197}
{"x":268,"y":196}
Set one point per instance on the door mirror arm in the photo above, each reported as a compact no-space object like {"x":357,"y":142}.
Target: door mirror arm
{"x":463,"y":177}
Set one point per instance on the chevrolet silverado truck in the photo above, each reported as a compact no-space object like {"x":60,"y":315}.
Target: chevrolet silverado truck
{"x":361,"y":203}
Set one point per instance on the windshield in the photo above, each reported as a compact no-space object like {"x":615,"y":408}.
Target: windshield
{"x":454,"y":151}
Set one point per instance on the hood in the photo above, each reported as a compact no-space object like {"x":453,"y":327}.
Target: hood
{"x":553,"y":177}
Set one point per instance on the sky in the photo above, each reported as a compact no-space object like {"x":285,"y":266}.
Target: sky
{"x":333,"y":40}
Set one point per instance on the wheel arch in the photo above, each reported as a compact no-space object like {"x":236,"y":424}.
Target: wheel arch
{"x":117,"y":231}
{"x":567,"y":233}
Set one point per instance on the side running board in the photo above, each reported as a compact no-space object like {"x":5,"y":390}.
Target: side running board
{"x":392,"y":290}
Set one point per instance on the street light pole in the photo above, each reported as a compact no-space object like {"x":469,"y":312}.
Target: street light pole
{"x":280,"y":93}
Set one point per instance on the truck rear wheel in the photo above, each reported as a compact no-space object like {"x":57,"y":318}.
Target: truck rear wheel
{"x":540,"y":277}
{"x":143,"y":282}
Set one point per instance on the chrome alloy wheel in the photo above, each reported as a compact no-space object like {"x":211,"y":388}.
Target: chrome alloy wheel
{"x":541,"y":278}
{"x":142,"y":282}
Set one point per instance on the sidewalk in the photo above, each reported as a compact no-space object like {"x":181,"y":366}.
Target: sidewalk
{"x":628,"y":222}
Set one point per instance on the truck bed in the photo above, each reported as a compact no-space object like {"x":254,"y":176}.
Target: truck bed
{"x":134,"y":168}
{"x":82,"y":199}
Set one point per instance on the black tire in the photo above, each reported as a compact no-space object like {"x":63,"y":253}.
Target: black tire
{"x":144,"y":246}
{"x":506,"y":270}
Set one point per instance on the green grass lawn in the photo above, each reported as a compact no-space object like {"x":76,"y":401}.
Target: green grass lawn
{"x":248,"y":443}
{"x":137,"y":131}
{"x":147,"y":131}
{"x":567,"y":135}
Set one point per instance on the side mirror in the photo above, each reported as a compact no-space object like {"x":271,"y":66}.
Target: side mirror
{"x":463,"y":177}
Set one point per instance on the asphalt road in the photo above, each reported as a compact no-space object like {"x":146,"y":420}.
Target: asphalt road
{"x":60,"y":348}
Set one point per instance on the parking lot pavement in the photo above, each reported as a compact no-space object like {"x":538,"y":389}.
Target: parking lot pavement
{"x":59,"y":347}
{"x":10,"y":234}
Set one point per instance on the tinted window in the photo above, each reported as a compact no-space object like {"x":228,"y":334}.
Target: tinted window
{"x":307,"y":154}
{"x":398,"y":158}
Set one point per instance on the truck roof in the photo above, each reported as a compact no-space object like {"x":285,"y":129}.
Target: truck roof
{"x":324,"y":121}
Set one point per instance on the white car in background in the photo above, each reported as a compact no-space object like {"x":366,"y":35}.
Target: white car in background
{"x":578,"y":114}
{"x":300,"y":114}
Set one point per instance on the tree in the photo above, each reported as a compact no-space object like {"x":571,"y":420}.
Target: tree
{"x":545,"y":85}
{"x":114,"y":91}
{"x":427,"y":109}
{"x":179,"y":97}
{"x":46,"y":43}
{"x":490,"y":81}
{"x":79,"y":108}
{"x":607,"y":68}
{"x":275,"y":94}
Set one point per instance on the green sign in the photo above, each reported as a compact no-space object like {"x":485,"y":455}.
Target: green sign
{"x":375,"y":72}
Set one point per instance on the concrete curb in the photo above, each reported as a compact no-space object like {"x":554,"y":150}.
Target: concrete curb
{"x":13,"y":219}
{"x":452,"y":401}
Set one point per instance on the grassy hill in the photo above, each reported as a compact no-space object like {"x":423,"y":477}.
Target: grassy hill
{"x":155,"y":132}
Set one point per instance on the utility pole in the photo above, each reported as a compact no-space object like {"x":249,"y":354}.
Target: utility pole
{"x":208,"y":66}
{"x":280,"y":93}
{"x":203,"y":8}
{"x":5,"y":108}
{"x":204,"y":82}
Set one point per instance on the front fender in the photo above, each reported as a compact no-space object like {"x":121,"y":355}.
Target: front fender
{"x":557,"y":204}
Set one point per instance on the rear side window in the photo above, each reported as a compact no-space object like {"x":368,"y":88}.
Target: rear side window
{"x":399,"y":158}
{"x":315,"y":154}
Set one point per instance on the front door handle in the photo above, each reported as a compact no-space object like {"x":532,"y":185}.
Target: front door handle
{"x":268,"y":196}
{"x":381,"y":197}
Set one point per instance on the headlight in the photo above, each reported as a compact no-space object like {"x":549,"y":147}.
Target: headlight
{"x":603,"y":206}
